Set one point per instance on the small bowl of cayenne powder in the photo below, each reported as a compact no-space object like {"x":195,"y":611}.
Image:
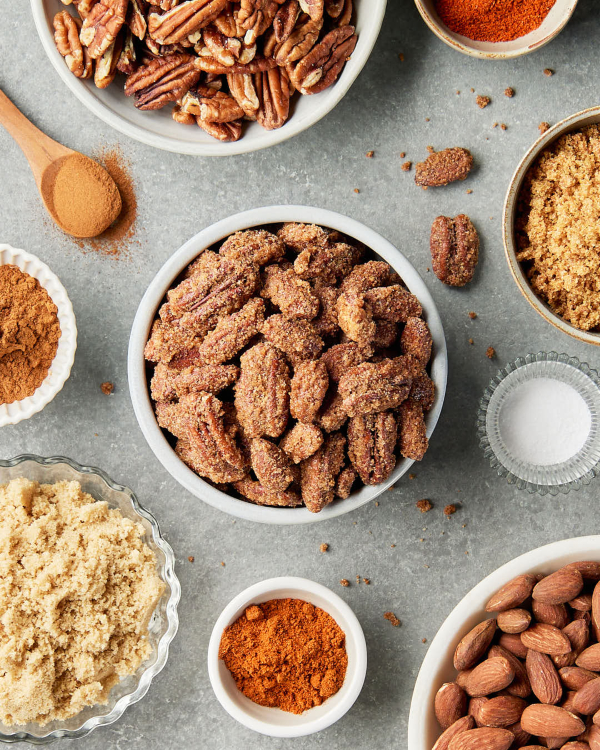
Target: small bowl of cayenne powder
{"x":38,"y":335}
{"x":287,"y":657}
{"x":496,"y":29}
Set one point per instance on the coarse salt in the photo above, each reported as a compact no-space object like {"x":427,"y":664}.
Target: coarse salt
{"x":544,"y":422}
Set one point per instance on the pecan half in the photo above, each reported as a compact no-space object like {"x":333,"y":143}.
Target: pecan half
{"x":273,"y":92}
{"x":285,"y":20}
{"x":300,"y":42}
{"x":136,"y":18}
{"x":299,"y":236}
{"x":290,"y":294}
{"x":334,"y":8}
{"x":257,"y":65}
{"x":163,"y":80}
{"x":314,"y":8}
{"x":184,"y":19}
{"x":393,"y":303}
{"x":296,"y":338}
{"x":255,"y":17}
{"x":454,"y":249}
{"x":102,"y":24}
{"x":319,"y":473}
{"x":66,"y":37}
{"x":226,"y":50}
{"x":222,"y":131}
{"x":355,"y":317}
{"x":301,"y":441}
{"x":271,"y":465}
{"x":443,"y":167}
{"x":84,"y":7}
{"x":243,"y":90}
{"x":371,"y":443}
{"x":106,"y":66}
{"x":308,"y":389}
{"x":217,"y":107}
{"x":322,"y":65}
{"x":329,"y":262}
{"x":344,"y":482}
{"x":333,"y":415}
{"x":422,"y":391}
{"x":326,"y":324}
{"x":256,"y":245}
{"x":340,"y":358}
{"x":232,"y":333}
{"x":413,"y":431}
{"x":127,"y":59}
{"x":258,"y":494}
{"x":416,"y":340}
{"x":375,"y":273}
{"x":345,"y":15}
{"x":169,"y":383}
{"x":375,"y":386}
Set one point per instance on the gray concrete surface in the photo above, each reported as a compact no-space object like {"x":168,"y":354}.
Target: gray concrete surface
{"x":393,"y":107}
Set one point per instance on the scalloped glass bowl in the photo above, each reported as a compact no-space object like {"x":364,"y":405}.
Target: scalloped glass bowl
{"x":573,"y":473}
{"x":163,"y":623}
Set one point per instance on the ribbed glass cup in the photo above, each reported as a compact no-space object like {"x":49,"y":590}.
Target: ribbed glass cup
{"x":553,"y":479}
{"x":163,"y":623}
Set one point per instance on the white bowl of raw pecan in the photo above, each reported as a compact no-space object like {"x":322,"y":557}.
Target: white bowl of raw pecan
{"x":209,"y":77}
{"x":517,"y":662}
{"x":285,"y":361}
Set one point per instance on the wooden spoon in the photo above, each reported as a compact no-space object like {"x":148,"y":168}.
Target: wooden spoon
{"x":79,"y":194}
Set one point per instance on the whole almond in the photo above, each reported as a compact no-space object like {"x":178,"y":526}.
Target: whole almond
{"x":512,"y":594}
{"x":546,"y":639}
{"x":596,"y":610}
{"x":574,"y":678}
{"x":514,"y":620}
{"x":462,"y":677}
{"x":450,"y":704}
{"x":582,"y":603}
{"x":544,"y":679}
{"x":593,"y":737}
{"x":576,"y":746}
{"x":550,"y":721}
{"x":567,"y":701}
{"x":521,"y":736}
{"x":475,"y":706}
{"x":589,"y":658}
{"x":578,"y":633}
{"x":587,"y":698}
{"x":513,"y":643}
{"x":534,"y":747}
{"x":550,"y":614}
{"x":520,"y":685}
{"x":559,"y":587}
{"x":474,"y":645}
{"x":500,"y":711}
{"x":589,"y":569}
{"x":596,"y":718}
{"x":491,"y":676}
{"x":462,"y":725}
{"x":554,"y":742}
{"x":484,"y":738}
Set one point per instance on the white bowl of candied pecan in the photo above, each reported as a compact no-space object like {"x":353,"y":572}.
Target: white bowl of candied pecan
{"x":274,"y":363}
{"x":209,"y":77}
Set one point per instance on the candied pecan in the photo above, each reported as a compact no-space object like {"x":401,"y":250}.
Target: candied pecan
{"x":262,"y":393}
{"x":106,"y":66}
{"x":386,"y":333}
{"x":270,"y":464}
{"x":443,"y":167}
{"x":285,"y":20}
{"x":207,"y":463}
{"x":232,"y":333}
{"x":169,"y":383}
{"x":375,"y":386}
{"x":243,"y":90}
{"x":329,"y":262}
{"x":416,"y":340}
{"x":355,"y":317}
{"x":301,"y":441}
{"x":222,"y":131}
{"x":300,"y":42}
{"x":296,"y":338}
{"x":371,"y":442}
{"x":394,"y":303}
{"x":326,"y":324}
{"x":308,"y":388}
{"x":273,"y":92}
{"x":412,"y":429}
{"x":183,"y":19}
{"x":255,"y":17}
{"x":322,"y":65}
{"x":332,"y":415}
{"x":367,"y":276}
{"x":319,"y":473}
{"x":340,"y":358}
{"x":256,"y":245}
{"x":257,"y":494}
{"x":298,"y":236}
{"x":345,"y":480}
{"x":203,"y":276}
{"x":290,"y":294}
{"x":257,"y":65}
{"x":167,"y":341}
{"x":161,"y":81}
{"x":454,"y":249}
{"x":136,"y":18}
{"x":66,"y":37}
{"x":101,"y":26}
{"x":423,"y":391}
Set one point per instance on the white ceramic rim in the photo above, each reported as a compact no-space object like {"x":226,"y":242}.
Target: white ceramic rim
{"x":549,"y":29}
{"x":326,"y":100}
{"x":437,"y":666}
{"x":278,"y":588}
{"x":60,"y":368}
{"x":573,"y":122}
{"x":138,"y":387}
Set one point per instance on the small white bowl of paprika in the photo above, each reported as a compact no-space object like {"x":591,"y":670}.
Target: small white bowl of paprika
{"x":275,"y":722}
{"x":60,"y":367}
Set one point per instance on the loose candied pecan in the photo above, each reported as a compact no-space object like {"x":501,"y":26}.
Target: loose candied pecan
{"x":454,"y":249}
{"x":423,"y":391}
{"x":368,"y":275}
{"x":271,"y":465}
{"x":301,"y":441}
{"x":163,"y":80}
{"x":296,"y":338}
{"x":291,"y":295}
{"x":416,"y":340}
{"x":298,"y":236}
{"x":255,"y":17}
{"x":207,"y":416}
{"x":243,"y":90}
{"x":443,"y":167}
{"x":257,"y":494}
{"x":322,"y":65}
{"x":273,"y":91}
{"x":101,"y":26}
{"x":257,"y":65}
{"x":136,"y":18}
{"x":386,"y":334}
{"x":262,"y":393}
{"x":66,"y":37}
{"x":329,"y":262}
{"x":355,"y":317}
{"x":183,"y":19}
{"x":300,"y":42}
{"x":394,"y":303}
{"x":332,"y":415}
{"x":222,"y":131}
{"x":232,"y":333}
{"x":106,"y":66}
{"x":308,"y":388}
{"x":256,"y":245}
{"x":285,"y":20}
{"x":340,"y":358}
{"x":371,"y":442}
{"x":375,"y":386}
{"x":344,"y":482}
{"x":319,"y":473}
{"x":412,"y":429}
{"x":169,"y":383}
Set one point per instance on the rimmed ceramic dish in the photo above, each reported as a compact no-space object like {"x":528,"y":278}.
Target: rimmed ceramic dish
{"x":552,"y":25}
{"x":437,"y":667}
{"x":138,"y":382}
{"x":158,"y":129}
{"x":163,"y":623}
{"x":67,"y":344}
{"x":273,"y":721}
{"x":574,"y":122}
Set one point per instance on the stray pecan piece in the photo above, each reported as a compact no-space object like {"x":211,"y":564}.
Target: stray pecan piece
{"x":308,"y":389}
{"x":454,"y":249}
{"x":371,"y":442}
{"x":162,"y":80}
{"x":443,"y":167}
{"x":319,"y":473}
{"x":66,"y":37}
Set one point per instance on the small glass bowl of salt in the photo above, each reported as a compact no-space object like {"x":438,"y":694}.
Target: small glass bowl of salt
{"x":539,"y":423}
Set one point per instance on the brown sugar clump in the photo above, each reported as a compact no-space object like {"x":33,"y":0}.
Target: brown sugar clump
{"x":406,"y":166}
{"x":391,"y":617}
{"x":472,"y":315}
{"x":544,"y":127}
{"x":483,"y":101}
{"x":449,"y":510}
{"x":548,"y":72}
{"x":344,"y":582}
{"x":370,"y":154}
{"x":490,"y":352}
{"x":324,"y":547}
{"x":509,"y":92}
{"x":107,"y":388}
{"x":424,"y":506}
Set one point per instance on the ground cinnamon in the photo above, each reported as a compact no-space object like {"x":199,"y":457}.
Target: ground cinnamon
{"x":493,"y":20}
{"x":285,"y":653}
{"x":29,"y":334}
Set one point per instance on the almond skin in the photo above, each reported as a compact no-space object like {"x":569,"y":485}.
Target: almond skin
{"x":589,"y":569}
{"x":512,"y":642}
{"x":550,"y":614}
{"x":491,"y":676}
{"x":587,"y":698}
{"x":514,"y":620}
{"x":520,"y":686}
{"x":512,"y":594}
{"x":551,"y":721}
{"x":450,"y":704}
{"x":546,"y":639}
{"x":501,"y":711}
{"x":484,"y":738}
{"x":589,"y":658}
{"x":543,"y":677}
{"x":462,"y":725}
{"x":559,"y":587}
{"x":474,"y":645}
{"x":574,"y":678}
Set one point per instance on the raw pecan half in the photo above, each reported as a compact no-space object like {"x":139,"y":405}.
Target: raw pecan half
{"x":454,"y":249}
{"x":314,"y":8}
{"x":243,"y":90}
{"x":255,"y":17}
{"x":371,"y":443}
{"x":319,"y":473}
{"x":106,"y":66}
{"x":83,"y":6}
{"x":218,"y":107}
{"x":163,"y":80}
{"x":102,"y":24}
{"x":66,"y":37}
{"x":127,"y":59}
{"x":322,"y":65}
{"x":136,"y":18}
{"x":285,"y":20}
{"x":224,"y":49}
{"x":257,"y":65}
{"x":222,"y":131}
{"x":273,"y":91}
{"x":300,"y":42}
{"x":184,"y":19}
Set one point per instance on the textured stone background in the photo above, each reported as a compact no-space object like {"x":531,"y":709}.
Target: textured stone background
{"x":386,"y":110}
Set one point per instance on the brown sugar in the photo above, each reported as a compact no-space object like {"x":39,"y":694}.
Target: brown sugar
{"x":391,"y":617}
{"x":29,"y":334}
{"x":424,"y":505}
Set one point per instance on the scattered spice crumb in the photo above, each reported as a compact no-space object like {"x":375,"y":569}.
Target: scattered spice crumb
{"x":401,"y":56}
{"x":367,"y":581}
{"x":490,"y":352}
{"x":356,"y":190}
{"x":377,"y":503}
{"x":421,"y":539}
{"x":392,"y":545}
{"x":469,"y":191}
{"x":324,"y":547}
{"x":424,"y":506}
{"x":357,"y":579}
{"x":393,"y":487}
{"x":191,"y":558}
{"x":406,"y":166}
{"x":472,"y":315}
{"x":402,"y":154}
{"x":370,"y":154}
{"x":431,"y":149}
{"x":449,"y":510}
{"x":391,"y":617}
{"x":344,"y":582}
{"x":107,"y":388}
{"x":471,"y":342}
{"x":472,"y":91}
{"x":412,"y":476}
{"x":222,"y":564}
{"x":509,"y":92}
{"x":466,"y":552}
{"x":495,"y":125}
{"x":457,"y":92}
{"x":483,"y":101}
{"x":426,"y":566}
{"x":544,"y":127}
{"x":464,"y":526}
{"x":423,"y":640}
{"x":427,"y":119}
{"x":503,"y":126}
{"x":548,"y":72}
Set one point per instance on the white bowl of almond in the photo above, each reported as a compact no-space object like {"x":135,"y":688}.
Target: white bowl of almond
{"x":517,"y":662}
